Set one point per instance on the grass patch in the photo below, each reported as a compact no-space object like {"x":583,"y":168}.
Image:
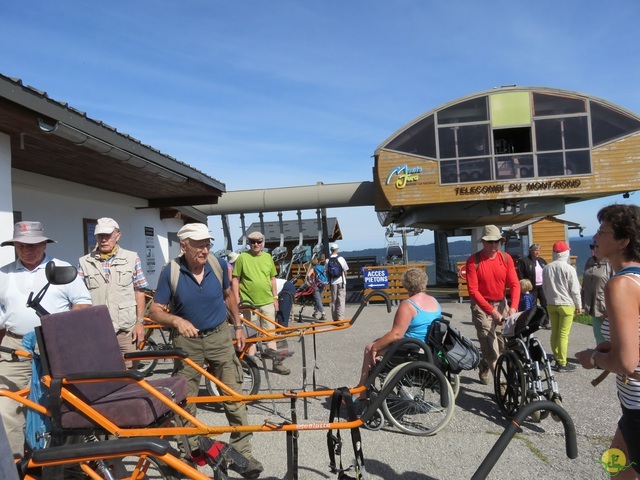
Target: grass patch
{"x":583,"y":319}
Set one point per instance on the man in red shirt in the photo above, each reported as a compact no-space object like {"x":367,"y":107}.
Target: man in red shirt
{"x":489,"y":272}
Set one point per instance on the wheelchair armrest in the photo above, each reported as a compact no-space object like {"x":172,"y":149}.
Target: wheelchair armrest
{"x":113,"y":375}
{"x":123,"y":446}
{"x":156,"y":354}
{"x":15,"y":353}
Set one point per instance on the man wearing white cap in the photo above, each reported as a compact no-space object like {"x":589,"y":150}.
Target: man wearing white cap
{"x":199,"y":302}
{"x":489,"y":272}
{"x":17,"y":280}
{"x":114,"y":278}
{"x":336,"y":268}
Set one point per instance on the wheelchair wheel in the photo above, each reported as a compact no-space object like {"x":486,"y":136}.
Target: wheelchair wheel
{"x":147,"y":468}
{"x":558,"y":401}
{"x":510,"y":383}
{"x":146,"y":367}
{"x":454,"y":380}
{"x":376,"y":422}
{"x":413,"y":406}
{"x":250,"y":381}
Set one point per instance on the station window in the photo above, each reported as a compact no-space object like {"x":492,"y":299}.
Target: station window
{"x":562,"y":133}
{"x":546,"y":105}
{"x":469,"y":111}
{"x":418,"y":139}
{"x":607,"y":124}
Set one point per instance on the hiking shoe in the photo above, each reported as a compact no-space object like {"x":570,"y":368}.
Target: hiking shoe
{"x":280,"y":369}
{"x":252,"y":470}
{"x":569,"y":367}
{"x":484,"y":374}
{"x":271,"y":353}
{"x":315,"y":314}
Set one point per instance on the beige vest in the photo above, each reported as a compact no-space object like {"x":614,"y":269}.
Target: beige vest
{"x":118,"y":293}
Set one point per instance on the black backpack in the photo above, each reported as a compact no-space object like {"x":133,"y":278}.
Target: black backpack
{"x":334,"y":268}
{"x":453,"y":351}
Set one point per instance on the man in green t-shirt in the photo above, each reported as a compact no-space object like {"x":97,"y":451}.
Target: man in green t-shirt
{"x":254,"y":277}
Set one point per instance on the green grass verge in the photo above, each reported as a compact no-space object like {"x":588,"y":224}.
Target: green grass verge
{"x":583,"y":319}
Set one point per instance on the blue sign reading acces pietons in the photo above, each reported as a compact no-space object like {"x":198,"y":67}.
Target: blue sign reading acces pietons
{"x":376,"y":278}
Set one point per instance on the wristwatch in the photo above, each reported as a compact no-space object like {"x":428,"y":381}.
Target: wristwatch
{"x":593,"y":359}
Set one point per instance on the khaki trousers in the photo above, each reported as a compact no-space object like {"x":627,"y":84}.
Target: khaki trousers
{"x":216,"y":351}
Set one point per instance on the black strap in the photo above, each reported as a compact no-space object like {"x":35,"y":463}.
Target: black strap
{"x":55,"y":399}
{"x":334,"y":442}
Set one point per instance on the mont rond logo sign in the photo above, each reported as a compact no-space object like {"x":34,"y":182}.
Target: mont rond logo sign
{"x":403,"y":175}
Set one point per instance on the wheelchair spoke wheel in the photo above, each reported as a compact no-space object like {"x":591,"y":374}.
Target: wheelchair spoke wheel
{"x":146,"y":367}
{"x":454,"y":380}
{"x":510,"y":384}
{"x":143,"y":468}
{"x":376,"y":422}
{"x":414,"y":405}
{"x":250,"y":380}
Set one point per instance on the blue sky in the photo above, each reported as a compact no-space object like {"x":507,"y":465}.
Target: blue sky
{"x":262,"y":94}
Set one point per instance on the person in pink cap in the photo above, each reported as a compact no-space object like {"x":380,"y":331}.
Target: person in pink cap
{"x":562,"y":290}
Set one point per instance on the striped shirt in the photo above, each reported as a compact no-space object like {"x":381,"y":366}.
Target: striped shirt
{"x":629,"y":391}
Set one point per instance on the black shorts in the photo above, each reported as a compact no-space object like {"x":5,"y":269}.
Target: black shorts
{"x":629,"y":425}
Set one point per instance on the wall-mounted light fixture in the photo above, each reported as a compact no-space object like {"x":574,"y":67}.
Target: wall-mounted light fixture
{"x":80,"y":138}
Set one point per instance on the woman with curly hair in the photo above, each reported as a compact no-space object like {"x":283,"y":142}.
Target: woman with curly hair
{"x":618,"y":240}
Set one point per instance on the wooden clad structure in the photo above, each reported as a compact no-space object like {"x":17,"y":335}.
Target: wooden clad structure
{"x":505,"y":156}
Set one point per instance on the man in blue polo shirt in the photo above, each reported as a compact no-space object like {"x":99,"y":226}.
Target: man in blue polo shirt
{"x":198,"y":316}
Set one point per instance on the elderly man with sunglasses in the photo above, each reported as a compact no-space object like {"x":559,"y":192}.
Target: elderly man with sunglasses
{"x":489,"y":272}
{"x":254,"y":277}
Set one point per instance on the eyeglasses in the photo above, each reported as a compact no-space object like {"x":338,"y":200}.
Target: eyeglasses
{"x":255,"y":241}
{"x":202,"y":248}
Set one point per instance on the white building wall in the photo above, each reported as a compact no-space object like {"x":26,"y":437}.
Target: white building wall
{"x":61,"y":206}
{"x":6,"y":202}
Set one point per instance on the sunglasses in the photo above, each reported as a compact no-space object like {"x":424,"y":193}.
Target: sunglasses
{"x":255,"y":241}
{"x":491,"y":241}
{"x":592,"y":246}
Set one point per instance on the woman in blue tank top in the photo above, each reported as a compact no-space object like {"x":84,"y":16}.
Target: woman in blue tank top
{"x":618,"y":240}
{"x":412,"y":319}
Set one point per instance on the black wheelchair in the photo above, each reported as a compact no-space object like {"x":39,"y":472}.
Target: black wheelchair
{"x":523,"y":371}
{"x":417,"y":405}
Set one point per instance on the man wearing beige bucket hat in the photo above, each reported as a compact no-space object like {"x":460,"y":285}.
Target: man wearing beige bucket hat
{"x":17,"y":280}
{"x":489,"y":272}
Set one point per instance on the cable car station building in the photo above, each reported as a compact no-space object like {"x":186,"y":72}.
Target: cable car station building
{"x":502,"y":157}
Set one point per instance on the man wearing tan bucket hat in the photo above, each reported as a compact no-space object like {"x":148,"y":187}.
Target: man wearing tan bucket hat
{"x":17,"y":280}
{"x":489,"y":272}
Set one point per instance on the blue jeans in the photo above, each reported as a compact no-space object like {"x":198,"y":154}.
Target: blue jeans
{"x":317,"y":296}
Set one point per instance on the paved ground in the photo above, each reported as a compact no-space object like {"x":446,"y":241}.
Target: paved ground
{"x":458,"y":450}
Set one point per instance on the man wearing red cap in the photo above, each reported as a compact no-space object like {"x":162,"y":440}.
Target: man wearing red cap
{"x":562,"y":290}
